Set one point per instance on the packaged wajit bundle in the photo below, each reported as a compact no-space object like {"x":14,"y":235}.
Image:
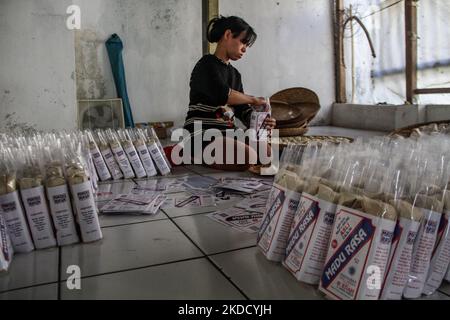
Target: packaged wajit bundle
{"x":34,"y":200}
{"x":102,"y":170}
{"x":11,"y":206}
{"x":313,"y":221}
{"x":361,"y":236}
{"x":132,"y":154}
{"x":120,"y":155}
{"x":108,"y":156}
{"x":429,"y":199}
{"x":141,"y":148}
{"x":156,"y":152}
{"x":86,"y":211}
{"x":280,"y":208}
{"x":58,"y":194}
{"x":6,"y":250}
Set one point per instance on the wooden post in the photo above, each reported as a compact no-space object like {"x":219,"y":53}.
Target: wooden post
{"x":411,"y":48}
{"x":339,"y":52}
{"x":210,"y":10}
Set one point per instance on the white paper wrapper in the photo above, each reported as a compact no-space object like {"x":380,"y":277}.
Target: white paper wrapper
{"x":307,"y":245}
{"x":276,"y":224}
{"x":123,"y":162}
{"x":357,"y":255}
{"x":135,"y":161}
{"x":86,"y":212}
{"x":423,"y":249}
{"x":113,"y":167}
{"x":99,"y":162}
{"x":147,"y":161}
{"x":441,"y":257}
{"x":38,"y":217}
{"x":256,"y":123}
{"x":62,"y":215}
{"x":6,"y":250}
{"x":399,"y":259}
{"x":158,"y":158}
{"x":16,"y":223}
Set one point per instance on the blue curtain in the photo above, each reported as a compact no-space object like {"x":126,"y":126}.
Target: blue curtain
{"x":114,"y":46}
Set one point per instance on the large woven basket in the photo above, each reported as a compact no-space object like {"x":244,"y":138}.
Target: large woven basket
{"x":424,"y":127}
{"x":293,"y":109}
{"x":283,"y":142}
{"x":305,"y":140}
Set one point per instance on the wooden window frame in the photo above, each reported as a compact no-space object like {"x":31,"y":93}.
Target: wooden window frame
{"x":411,"y":53}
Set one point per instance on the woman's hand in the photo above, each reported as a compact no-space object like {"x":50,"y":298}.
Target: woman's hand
{"x":258,"y":101}
{"x":270,"y":123}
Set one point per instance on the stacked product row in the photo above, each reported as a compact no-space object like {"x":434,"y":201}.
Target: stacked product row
{"x":367,"y":220}
{"x":47,"y":183}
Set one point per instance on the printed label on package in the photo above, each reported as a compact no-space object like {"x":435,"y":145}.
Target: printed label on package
{"x":38,"y":217}
{"x":61,"y":211}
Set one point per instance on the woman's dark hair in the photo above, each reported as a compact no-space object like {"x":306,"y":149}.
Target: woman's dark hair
{"x":217,"y":27}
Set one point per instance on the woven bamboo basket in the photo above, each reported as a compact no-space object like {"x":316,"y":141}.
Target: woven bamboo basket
{"x":302,"y":141}
{"x":425,"y":127}
{"x":305,"y":140}
{"x":293,"y":109}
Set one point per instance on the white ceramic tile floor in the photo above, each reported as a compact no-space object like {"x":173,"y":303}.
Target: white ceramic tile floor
{"x":30,"y":269}
{"x":144,"y":257}
{"x":111,"y":220}
{"x":192,"y":280}
{"x":445,"y":288}
{"x":45,"y":292}
{"x":186,"y":211}
{"x":213,"y":237}
{"x":262,"y":279}
{"x":128,"y":247}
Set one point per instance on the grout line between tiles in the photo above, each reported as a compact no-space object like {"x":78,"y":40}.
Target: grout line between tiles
{"x":28,"y":287}
{"x":443,"y":292}
{"x":140,"y":268}
{"x":131,"y":223}
{"x":231,"y":250}
{"x":210,"y":261}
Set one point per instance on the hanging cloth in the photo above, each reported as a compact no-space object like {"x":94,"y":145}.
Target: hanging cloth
{"x":114,"y":46}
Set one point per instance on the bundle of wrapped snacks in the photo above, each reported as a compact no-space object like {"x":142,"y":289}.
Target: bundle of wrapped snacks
{"x":361,"y":236}
{"x":131,"y":153}
{"x":406,"y":229}
{"x":11,"y":206}
{"x":142,"y":150}
{"x":86,"y":211}
{"x":58,"y":194}
{"x":108,"y":156}
{"x":151,"y":133}
{"x":440,"y":259}
{"x":280,"y":207}
{"x":119,"y":154}
{"x":156,"y":151}
{"x":311,"y":227}
{"x":99,"y":162}
{"x":6,"y":250}
{"x":429,"y":198}
{"x":33,"y":197}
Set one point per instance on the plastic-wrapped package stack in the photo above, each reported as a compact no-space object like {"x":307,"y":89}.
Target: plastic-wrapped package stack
{"x":367,"y":220}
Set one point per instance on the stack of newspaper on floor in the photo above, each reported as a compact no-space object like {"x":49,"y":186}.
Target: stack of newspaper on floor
{"x":247,"y":214}
{"x":144,"y":203}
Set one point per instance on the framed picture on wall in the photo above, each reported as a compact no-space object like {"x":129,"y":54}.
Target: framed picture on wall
{"x":100,"y":114}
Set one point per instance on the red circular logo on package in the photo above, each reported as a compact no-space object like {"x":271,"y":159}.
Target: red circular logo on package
{"x":334,"y":244}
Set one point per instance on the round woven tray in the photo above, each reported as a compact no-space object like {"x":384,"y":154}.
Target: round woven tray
{"x":425,"y":127}
{"x":294,"y":108}
{"x":301,"y":140}
{"x":305,"y":140}
{"x":293,"y":132}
